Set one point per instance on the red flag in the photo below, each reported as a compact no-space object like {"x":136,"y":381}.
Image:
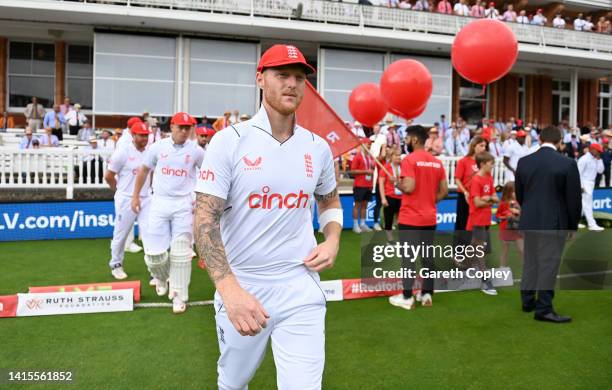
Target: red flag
{"x":317,"y":116}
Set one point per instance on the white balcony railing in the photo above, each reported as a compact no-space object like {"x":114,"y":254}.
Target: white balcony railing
{"x":63,"y":168}
{"x":323,"y":11}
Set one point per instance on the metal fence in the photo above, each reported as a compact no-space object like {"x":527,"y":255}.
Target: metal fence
{"x":70,"y":168}
{"x":323,"y":11}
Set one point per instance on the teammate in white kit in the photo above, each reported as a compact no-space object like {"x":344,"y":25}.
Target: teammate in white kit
{"x":589,"y":165}
{"x":254,"y":229}
{"x":174,"y":161}
{"x":123,"y":168}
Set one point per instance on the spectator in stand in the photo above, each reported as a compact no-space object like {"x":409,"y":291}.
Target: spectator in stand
{"x":453,"y":144}
{"x":434,"y":144}
{"x":573,"y":148}
{"x":601,"y":25}
{"x":461,"y":8}
{"x":478,"y":9}
{"x":6,"y":122}
{"x":491,"y":12}
{"x":358,"y":130}
{"x":26,"y":140}
{"x":558,"y":21}
{"x":405,"y":4}
{"x":445,"y":7}
{"x":495,"y":147}
{"x":522,"y":18}
{"x":235,"y":118}
{"x":55,"y":120}
{"x":444,"y":125}
{"x":205,"y":123}
{"x":244,"y":117}
{"x":539,"y":19}
{"x":421,"y":5}
{"x":509,"y":15}
{"x":34,"y":113}
{"x":393,"y":138}
{"x":588,"y":24}
{"x":35,"y":144}
{"x":106,"y":141}
{"x":75,"y":119}
{"x":222,"y":122}
{"x":66,"y":107}
{"x":90,"y":162}
{"x":579,"y":22}
{"x":85,"y":133}
{"x":392,"y":3}
{"x":49,"y":139}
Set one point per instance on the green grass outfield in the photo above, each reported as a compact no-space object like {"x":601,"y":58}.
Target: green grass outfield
{"x":467,"y":340}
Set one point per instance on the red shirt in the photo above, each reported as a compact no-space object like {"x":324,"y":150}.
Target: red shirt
{"x":419,"y":207}
{"x":481,"y":186}
{"x":466,"y":169}
{"x":361,"y":162}
{"x":389,"y":186}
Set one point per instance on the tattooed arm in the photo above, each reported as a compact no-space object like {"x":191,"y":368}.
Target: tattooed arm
{"x":324,"y":255}
{"x":244,"y":311}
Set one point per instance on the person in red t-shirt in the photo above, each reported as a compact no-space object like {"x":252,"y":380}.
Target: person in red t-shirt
{"x":423,"y":183}
{"x":465,"y":170}
{"x":362,"y":169}
{"x":508,"y":208}
{"x":482,"y":197}
{"x":390,"y":194}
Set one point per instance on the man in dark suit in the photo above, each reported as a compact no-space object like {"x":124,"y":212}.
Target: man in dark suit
{"x":548,"y":190}
{"x":573,"y":148}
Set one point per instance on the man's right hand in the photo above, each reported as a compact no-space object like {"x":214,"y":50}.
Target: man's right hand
{"x":244,"y":310}
{"x":385,"y":202}
{"x":136,"y":204}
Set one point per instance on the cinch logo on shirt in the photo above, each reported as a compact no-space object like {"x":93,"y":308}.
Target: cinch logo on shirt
{"x":268,"y":201}
{"x":429,"y":164}
{"x":207,"y":175}
{"x":174,"y":172}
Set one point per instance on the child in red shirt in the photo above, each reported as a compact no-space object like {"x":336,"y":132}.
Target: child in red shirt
{"x":508,"y":208}
{"x":482,"y":197}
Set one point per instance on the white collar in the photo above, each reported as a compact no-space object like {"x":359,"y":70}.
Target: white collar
{"x":546,"y":144}
{"x":262,"y":122}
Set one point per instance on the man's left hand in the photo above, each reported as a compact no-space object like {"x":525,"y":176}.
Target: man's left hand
{"x":323,"y":256}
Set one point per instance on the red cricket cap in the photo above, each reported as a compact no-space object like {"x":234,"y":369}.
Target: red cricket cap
{"x":133,"y":120}
{"x":597,"y":147}
{"x":521,"y":133}
{"x":491,"y":120}
{"x":491,"y":4}
{"x":539,"y":10}
{"x":204,"y":131}
{"x":519,"y":122}
{"x":139,"y":128}
{"x":605,"y":140}
{"x":279,"y":55}
{"x":182,"y":119}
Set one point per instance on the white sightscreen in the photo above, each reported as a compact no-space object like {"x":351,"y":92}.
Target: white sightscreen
{"x":441,"y":96}
{"x":133,"y":74}
{"x":343,"y":70}
{"x":222,"y":77}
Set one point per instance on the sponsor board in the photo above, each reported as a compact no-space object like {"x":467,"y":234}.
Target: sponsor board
{"x":359,"y":288}
{"x":332,"y":289}
{"x":134,"y":285}
{"x":45,"y":304}
{"x":8,"y":305}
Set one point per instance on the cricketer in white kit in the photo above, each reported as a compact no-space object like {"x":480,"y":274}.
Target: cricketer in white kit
{"x":589,"y":165}
{"x":123,"y":167}
{"x":174,"y":161}
{"x":253,"y":227}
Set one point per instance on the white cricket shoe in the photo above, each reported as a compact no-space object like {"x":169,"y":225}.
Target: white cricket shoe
{"x":426,"y":300}
{"x":178,"y":306}
{"x":365,"y":228}
{"x":377,"y":227}
{"x":152,"y":282}
{"x":581,"y":226}
{"x":161,"y":288}
{"x":119,"y":273}
{"x":133,"y":248}
{"x":399,"y":301}
{"x":357,"y":229}
{"x":597,"y":228}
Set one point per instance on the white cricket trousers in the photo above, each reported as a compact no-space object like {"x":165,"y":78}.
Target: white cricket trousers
{"x":296,"y":326}
{"x":587,"y":202}
{"x":168,"y":219}
{"x":124,"y":222}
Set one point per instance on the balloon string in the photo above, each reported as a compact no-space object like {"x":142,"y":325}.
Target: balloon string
{"x":484,"y":102}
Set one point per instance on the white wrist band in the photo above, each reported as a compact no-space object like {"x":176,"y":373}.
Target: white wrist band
{"x":331,"y":215}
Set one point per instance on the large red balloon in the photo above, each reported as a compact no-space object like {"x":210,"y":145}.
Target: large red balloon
{"x":367,"y":105}
{"x":406,"y":86}
{"x":484,"y":51}
{"x":416,"y":113}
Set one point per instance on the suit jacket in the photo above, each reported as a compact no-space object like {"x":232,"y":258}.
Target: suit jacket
{"x":548,"y":190}
{"x":570,"y":151}
{"x":30,"y":110}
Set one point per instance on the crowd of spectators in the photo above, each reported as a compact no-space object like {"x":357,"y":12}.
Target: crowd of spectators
{"x":506,"y":13}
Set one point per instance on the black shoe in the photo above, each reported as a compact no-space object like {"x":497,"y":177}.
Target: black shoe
{"x":552,"y":317}
{"x":528,"y":308}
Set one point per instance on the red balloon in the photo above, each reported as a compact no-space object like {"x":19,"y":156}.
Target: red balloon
{"x":406,"y":86}
{"x":416,"y":113}
{"x":484,"y":51}
{"x":367,"y":105}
